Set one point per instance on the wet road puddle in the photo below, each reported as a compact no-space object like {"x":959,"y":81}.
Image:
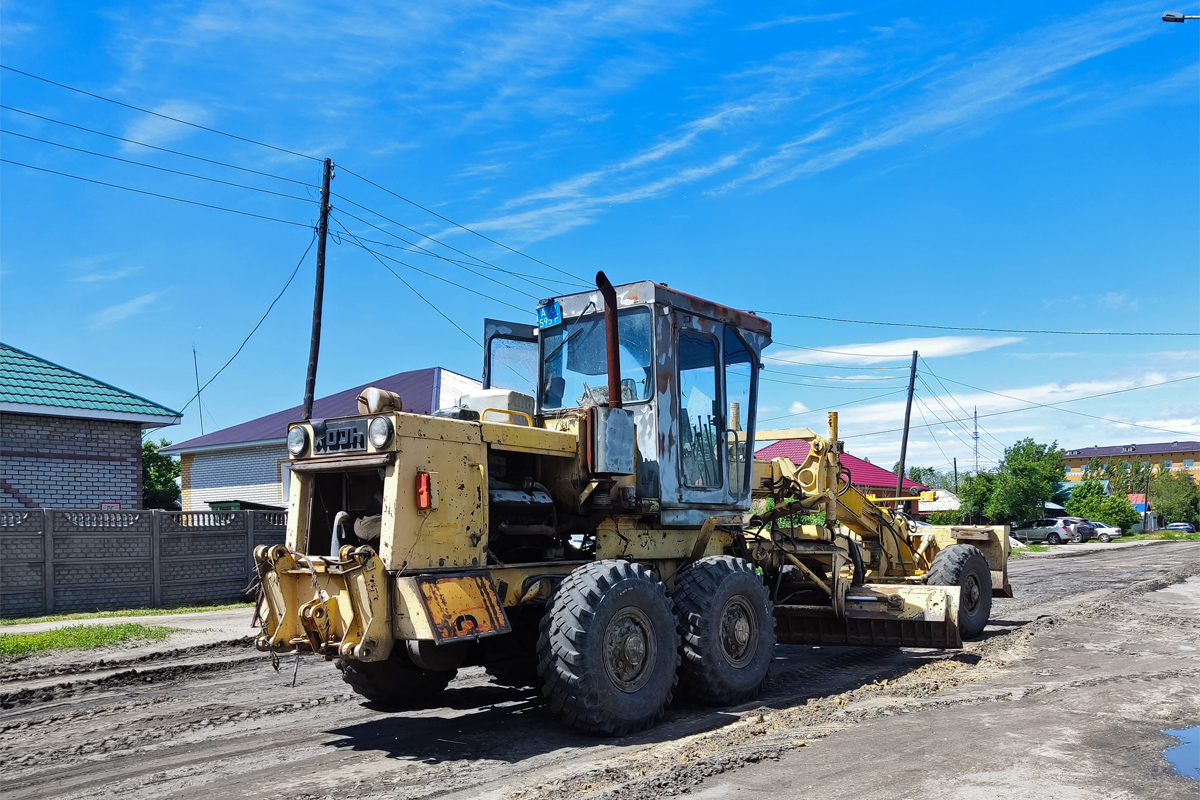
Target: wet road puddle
{"x":1185,"y":757}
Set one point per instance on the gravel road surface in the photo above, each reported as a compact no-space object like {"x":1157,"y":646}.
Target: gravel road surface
{"x":1064,"y":697}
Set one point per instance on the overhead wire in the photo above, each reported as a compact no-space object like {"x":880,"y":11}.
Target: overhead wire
{"x":929,"y":371}
{"x":458,"y":225}
{"x":160,"y":169}
{"x":823,"y":386}
{"x":405,"y":264}
{"x":832,"y":378}
{"x":156,"y":194}
{"x":855,"y":355}
{"x":1055,"y":405}
{"x":160,"y":115}
{"x":481,"y":262}
{"x":968,"y":431}
{"x":261,"y":320}
{"x":830,"y":408}
{"x":423,"y":298}
{"x":158,"y":148}
{"x":425,"y":252}
{"x":779,"y":360}
{"x":984,"y":330}
{"x":929,"y":428}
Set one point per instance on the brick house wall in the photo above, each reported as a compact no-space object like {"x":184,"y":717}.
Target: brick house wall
{"x":254,"y":474}
{"x":69,"y":462}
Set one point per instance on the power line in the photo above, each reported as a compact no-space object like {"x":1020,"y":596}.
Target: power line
{"x":1055,"y":405}
{"x":156,"y":147}
{"x":425,"y":252}
{"x":844,"y":353}
{"x":985,"y":330}
{"x":155,"y":194}
{"x":963,"y":408}
{"x":357,"y":243}
{"x":962,"y":425}
{"x":920,"y":405}
{"x":822,"y":386}
{"x":157,"y":114}
{"x":426,"y":300}
{"x":464,"y":227}
{"x":160,"y":169}
{"x":839,"y":405}
{"x":779,"y":360}
{"x":256,"y":327}
{"x":1080,"y":413}
{"x":831,"y":378}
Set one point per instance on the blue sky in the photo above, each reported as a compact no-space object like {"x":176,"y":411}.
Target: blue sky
{"x":1015,"y":165}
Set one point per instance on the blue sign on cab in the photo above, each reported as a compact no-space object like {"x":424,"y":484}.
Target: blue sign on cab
{"x":549,"y":315}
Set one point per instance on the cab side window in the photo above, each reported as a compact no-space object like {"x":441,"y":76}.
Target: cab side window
{"x":699,"y":417}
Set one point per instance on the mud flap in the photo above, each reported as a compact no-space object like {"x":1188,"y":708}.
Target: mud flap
{"x":878,"y":615}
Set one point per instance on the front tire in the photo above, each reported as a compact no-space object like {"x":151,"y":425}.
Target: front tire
{"x":726,"y":629}
{"x":608,"y":651}
{"x":964,"y":566}
{"x":395,"y":682}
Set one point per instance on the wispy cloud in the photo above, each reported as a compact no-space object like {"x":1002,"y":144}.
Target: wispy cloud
{"x":122,"y":311}
{"x":104,"y":277}
{"x":159,"y":131}
{"x":895,"y":350}
{"x":794,"y":20}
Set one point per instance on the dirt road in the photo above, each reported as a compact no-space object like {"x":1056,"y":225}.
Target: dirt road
{"x":1064,"y":698}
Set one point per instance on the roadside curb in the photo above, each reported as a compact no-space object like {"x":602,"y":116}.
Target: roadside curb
{"x":1077,"y":553}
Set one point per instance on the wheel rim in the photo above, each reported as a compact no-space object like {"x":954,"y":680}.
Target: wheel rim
{"x":970,"y":594}
{"x":738,"y":632}
{"x":630,"y":649}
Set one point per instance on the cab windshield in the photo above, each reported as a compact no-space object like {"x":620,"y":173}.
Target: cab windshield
{"x":575,"y":361}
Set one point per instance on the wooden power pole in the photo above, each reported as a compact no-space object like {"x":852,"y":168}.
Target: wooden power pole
{"x":912,"y":377}
{"x":314,"y":347}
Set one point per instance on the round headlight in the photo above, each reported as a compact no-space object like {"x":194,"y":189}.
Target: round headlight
{"x":297,"y":440}
{"x":380,"y":432}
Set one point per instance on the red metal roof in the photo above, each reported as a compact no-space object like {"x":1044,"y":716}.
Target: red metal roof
{"x":862,"y":473}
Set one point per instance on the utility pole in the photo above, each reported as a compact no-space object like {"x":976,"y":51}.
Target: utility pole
{"x":955,"y":460}
{"x":199,"y":405}
{"x":314,"y":347}
{"x":912,"y":377}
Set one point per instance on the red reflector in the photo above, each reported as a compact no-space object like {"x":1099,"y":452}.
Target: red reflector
{"x":424,"y":495}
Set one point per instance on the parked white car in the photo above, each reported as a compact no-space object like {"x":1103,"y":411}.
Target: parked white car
{"x":1106,"y":532}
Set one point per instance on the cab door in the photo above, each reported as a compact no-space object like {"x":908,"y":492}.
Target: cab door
{"x":510,"y":356}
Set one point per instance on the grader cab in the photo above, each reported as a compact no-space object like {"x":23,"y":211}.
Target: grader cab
{"x":594,"y":522}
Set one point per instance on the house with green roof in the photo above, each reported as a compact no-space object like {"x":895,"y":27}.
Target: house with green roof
{"x":68,"y":440}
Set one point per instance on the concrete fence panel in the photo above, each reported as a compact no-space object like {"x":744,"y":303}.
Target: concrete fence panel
{"x":64,"y":560}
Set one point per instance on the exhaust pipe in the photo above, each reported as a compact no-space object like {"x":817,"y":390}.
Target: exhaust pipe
{"x":612,"y":340}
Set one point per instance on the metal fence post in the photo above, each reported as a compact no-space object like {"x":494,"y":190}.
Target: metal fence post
{"x":48,"y":559}
{"x":155,"y":558}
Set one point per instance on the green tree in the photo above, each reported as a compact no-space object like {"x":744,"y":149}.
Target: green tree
{"x":1086,"y":500}
{"x":1027,"y":478}
{"x":159,"y":472}
{"x":974,"y":493}
{"x":1124,"y":477}
{"x":928,"y":476}
{"x":944,"y":518}
{"x":1116,"y":510}
{"x":1176,"y":497}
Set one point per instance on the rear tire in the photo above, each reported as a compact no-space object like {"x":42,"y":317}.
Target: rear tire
{"x":608,"y":651}
{"x":1104,"y":537}
{"x":1053,"y":538}
{"x":395,"y":682}
{"x":964,"y":566}
{"x":726,"y":630}
{"x":1077,"y":538}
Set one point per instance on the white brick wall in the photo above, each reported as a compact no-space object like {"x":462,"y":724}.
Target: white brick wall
{"x":251,"y":474}
{"x":452,"y":387}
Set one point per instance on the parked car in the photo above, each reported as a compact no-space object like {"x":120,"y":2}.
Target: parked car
{"x":1186,"y":527}
{"x":1050,"y":531}
{"x":1081,"y":529}
{"x":1105,"y":532}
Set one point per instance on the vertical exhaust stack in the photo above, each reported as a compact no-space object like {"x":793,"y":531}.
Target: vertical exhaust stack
{"x":611,"y":339}
{"x":614,"y":432}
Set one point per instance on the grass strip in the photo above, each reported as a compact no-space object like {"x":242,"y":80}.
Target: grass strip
{"x":126,"y":612}
{"x":79,"y":637}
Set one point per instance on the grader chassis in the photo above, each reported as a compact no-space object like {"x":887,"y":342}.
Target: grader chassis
{"x":600,"y":540}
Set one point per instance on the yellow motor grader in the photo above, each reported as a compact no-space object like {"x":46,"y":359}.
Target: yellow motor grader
{"x":587,"y":523}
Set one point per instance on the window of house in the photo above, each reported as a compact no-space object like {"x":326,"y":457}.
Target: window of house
{"x":699,"y":414}
{"x":1189,"y":462}
{"x":1166,"y":465}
